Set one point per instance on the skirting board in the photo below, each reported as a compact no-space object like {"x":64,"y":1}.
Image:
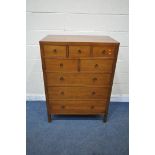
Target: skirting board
{"x":114,"y":98}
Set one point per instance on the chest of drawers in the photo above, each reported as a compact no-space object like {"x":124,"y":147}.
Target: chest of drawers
{"x":78,"y":74}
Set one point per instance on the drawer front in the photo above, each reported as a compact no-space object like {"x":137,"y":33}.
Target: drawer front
{"x":99,"y":65}
{"x":78,"y":79}
{"x":60,"y":65}
{"x":105,"y":51}
{"x":78,"y":92}
{"x":77,"y":107}
{"x":54,"y":51}
{"x":79,"y":51}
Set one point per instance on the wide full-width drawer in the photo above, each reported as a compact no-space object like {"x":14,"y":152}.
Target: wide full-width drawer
{"x":78,"y":92}
{"x":104,"y":51}
{"x":60,"y":65}
{"x":77,"y":107}
{"x":78,"y":79}
{"x":96,"y":65}
{"x":79,"y":51}
{"x":54,"y":51}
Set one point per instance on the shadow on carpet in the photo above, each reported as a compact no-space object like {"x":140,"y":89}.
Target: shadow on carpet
{"x":77,"y":135}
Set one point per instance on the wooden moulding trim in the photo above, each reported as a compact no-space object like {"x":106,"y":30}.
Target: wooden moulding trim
{"x":77,"y":43}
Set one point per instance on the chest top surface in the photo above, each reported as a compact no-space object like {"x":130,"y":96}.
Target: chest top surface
{"x":78,"y":38}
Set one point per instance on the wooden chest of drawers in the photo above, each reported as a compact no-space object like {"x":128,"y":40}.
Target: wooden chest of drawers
{"x":78,"y":74}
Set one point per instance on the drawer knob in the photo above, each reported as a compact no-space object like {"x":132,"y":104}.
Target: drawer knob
{"x":104,"y":51}
{"x":79,"y":51}
{"x":62,"y":93}
{"x":94,"y":79}
{"x":61,"y":65}
{"x":96,"y":65}
{"x":55,"y":51}
{"x":62,"y":106}
{"x":61,"y":78}
{"x":93,"y":93}
{"x":92,"y":107}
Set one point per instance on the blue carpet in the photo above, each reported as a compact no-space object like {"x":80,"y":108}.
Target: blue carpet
{"x":77,"y":135}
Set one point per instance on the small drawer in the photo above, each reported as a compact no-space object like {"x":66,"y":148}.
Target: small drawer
{"x":78,"y":79}
{"x":54,"y":51}
{"x":78,"y":92}
{"x":79,"y":51}
{"x":95,"y":65}
{"x":60,"y":65}
{"x":77,"y":107}
{"x":104,"y":51}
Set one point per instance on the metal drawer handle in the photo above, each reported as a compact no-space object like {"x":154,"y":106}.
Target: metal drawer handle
{"x":61,"y":65}
{"x":93,"y":93}
{"x":96,"y":65}
{"x":61,"y":78}
{"x":94,"y":79}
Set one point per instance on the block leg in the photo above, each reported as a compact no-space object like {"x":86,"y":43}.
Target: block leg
{"x":105,"y":118}
{"x":49,"y":118}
